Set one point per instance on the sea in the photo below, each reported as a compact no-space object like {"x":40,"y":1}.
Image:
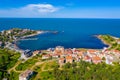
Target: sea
{"x":72,"y":32}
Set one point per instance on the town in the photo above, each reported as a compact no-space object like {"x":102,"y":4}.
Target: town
{"x":75,"y":55}
{"x":63,"y":56}
{"x":88,"y":55}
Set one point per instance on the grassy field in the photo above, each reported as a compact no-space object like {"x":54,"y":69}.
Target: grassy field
{"x":110,"y":41}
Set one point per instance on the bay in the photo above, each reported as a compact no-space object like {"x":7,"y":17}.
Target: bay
{"x":73,"y":33}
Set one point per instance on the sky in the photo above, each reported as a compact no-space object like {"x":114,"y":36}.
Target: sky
{"x":60,"y":8}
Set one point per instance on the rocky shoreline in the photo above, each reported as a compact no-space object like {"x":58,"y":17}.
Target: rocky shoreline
{"x":25,"y":37}
{"x":103,"y":41}
{"x":37,"y":33}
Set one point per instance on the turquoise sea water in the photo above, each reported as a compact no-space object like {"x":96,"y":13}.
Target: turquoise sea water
{"x":73,"y":33}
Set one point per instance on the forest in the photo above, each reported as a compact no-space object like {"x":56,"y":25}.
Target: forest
{"x":84,"y":71}
{"x":8,"y":58}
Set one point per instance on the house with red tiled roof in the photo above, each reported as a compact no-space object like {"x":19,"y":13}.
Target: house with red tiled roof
{"x":36,"y":52}
{"x":68,"y":51}
{"x":116,"y":51}
{"x":91,"y":51}
{"x":69,"y":59}
{"x":77,"y":59}
{"x":76,"y":51}
{"x":96,"y":59}
{"x":46,"y":56}
{"x":108,"y":52}
{"x":80,"y":54}
{"x":87,"y":58}
{"x":101,"y":55}
{"x":74,"y":55}
{"x":62,"y":60}
{"x":59,"y":50}
{"x":55,"y":55}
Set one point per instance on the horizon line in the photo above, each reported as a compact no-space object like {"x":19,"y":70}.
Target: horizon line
{"x":58,"y":18}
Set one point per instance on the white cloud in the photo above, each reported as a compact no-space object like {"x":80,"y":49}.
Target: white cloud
{"x":41,"y":8}
{"x":29,"y":10}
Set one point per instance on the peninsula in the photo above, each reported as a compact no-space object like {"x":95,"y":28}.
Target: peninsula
{"x":12,"y":35}
{"x":111,"y":41}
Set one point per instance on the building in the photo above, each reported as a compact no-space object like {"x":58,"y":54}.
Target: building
{"x":68,"y":51}
{"x":9,"y":31}
{"x":109,"y":59}
{"x":80,"y":54}
{"x":46,"y":56}
{"x":69,"y":59}
{"x":28,"y":53}
{"x":50,"y":49}
{"x":96,"y":59}
{"x":36,"y":52}
{"x":62,"y":60}
{"x":87,"y":58}
{"x":26,"y":75}
{"x":59,"y":50}
{"x":118,"y":41}
{"x":55,"y":55}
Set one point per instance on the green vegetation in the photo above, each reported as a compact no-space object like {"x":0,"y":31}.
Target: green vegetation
{"x":8,"y":59}
{"x":44,"y":70}
{"x":112,"y":42}
{"x":50,"y":70}
{"x":47,"y":75}
{"x":82,"y":71}
{"x":108,"y":39}
{"x":22,"y":32}
{"x":14,"y":76}
{"x":26,"y":65}
{"x":10,"y":35}
{"x":28,"y":33}
{"x":38,"y":68}
{"x":50,"y":65}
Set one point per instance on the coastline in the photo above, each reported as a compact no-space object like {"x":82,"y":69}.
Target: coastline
{"x":14,"y":46}
{"x":41,"y":32}
{"x":104,"y":42}
{"x":38,"y":33}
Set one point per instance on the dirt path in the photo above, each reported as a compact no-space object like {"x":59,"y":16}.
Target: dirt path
{"x":13,"y":68}
{"x":42,"y":68}
{"x":36,"y":64}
